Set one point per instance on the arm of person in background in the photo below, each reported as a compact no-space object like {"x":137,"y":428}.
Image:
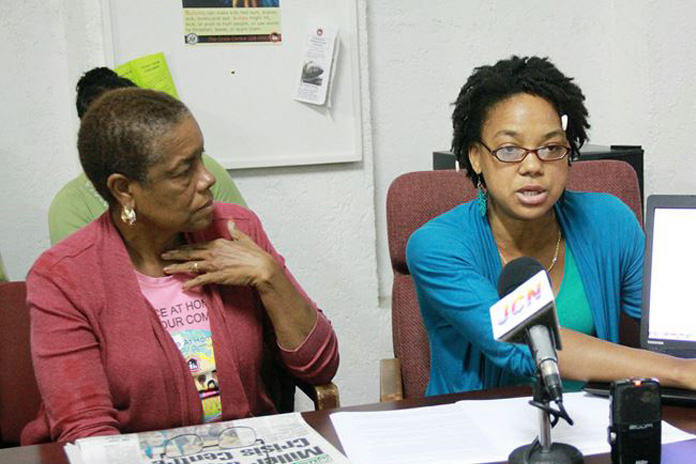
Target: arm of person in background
{"x":306,"y":341}
{"x":224,"y":189}
{"x":74,"y":206}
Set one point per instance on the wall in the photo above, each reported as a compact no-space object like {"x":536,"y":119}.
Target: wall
{"x":633,"y":60}
{"x":38,"y":121}
{"x":321,"y":217}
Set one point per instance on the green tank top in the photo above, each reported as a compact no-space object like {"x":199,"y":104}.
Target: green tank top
{"x":573,"y":308}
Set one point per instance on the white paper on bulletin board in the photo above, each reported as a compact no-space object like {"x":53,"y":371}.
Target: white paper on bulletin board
{"x":242,"y":94}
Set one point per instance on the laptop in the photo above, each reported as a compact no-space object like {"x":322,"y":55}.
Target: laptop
{"x":668,"y":323}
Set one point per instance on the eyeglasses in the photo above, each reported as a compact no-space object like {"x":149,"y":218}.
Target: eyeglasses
{"x":191,"y":443}
{"x":515,"y":154}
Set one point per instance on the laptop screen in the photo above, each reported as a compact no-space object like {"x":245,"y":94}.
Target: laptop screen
{"x":669,"y":294}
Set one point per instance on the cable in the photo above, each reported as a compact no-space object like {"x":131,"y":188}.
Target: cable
{"x":555,"y":414}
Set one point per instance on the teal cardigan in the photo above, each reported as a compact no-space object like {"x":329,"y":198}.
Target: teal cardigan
{"x":455,"y":265}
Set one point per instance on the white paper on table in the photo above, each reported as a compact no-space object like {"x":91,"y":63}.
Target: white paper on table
{"x":430,"y":434}
{"x":472,"y":431}
{"x":74,"y":454}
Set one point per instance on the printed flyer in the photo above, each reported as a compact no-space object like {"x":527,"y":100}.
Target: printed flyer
{"x":149,"y":72}
{"x":318,"y":63}
{"x":231,"y":21}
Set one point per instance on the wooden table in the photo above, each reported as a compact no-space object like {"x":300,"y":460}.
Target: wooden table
{"x":681,"y":417}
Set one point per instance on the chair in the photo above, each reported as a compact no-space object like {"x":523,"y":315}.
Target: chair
{"x":415,"y":198}
{"x":280,"y":387}
{"x":19,"y":394}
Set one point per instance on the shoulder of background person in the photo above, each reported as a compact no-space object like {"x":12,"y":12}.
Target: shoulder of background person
{"x":75,"y":205}
{"x":225,"y":189}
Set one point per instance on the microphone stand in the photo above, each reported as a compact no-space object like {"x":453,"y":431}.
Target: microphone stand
{"x":542,"y":450}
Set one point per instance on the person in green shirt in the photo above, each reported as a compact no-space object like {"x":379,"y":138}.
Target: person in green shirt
{"x":3,"y":277}
{"x":78,"y":203}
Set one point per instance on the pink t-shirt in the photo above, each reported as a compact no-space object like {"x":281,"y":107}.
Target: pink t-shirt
{"x":185,"y":316}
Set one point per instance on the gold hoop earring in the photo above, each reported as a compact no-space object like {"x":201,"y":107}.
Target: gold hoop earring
{"x":128,"y":215}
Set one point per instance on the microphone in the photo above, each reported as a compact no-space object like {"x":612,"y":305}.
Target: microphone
{"x":526,"y":313}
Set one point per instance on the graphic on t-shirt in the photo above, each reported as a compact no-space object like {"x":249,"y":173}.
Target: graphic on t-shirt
{"x":207,"y":384}
{"x":183,"y":313}
{"x":191,"y":313}
{"x":196,"y":347}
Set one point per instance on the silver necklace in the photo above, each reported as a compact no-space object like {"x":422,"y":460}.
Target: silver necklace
{"x":555,"y":253}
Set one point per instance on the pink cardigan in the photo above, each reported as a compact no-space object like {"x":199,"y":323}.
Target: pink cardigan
{"x":105,"y":365}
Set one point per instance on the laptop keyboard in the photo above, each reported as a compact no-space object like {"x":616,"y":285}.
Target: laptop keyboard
{"x":668,"y":395}
{"x":686,"y":354}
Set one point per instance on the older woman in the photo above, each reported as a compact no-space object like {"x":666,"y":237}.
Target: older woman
{"x":158,"y":314}
{"x":516,"y":125}
{"x":78,"y":203}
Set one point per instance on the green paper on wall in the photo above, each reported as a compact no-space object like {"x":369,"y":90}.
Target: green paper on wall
{"x":149,"y":72}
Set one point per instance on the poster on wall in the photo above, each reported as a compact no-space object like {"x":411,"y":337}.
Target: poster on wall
{"x":231,"y":21}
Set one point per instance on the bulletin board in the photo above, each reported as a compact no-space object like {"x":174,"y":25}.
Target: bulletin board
{"x":242,"y":94}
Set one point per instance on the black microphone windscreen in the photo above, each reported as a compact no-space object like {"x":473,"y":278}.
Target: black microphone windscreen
{"x":516,"y":272}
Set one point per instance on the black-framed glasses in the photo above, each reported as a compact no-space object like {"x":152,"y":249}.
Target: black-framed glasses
{"x":191,"y":443}
{"x":515,"y":154}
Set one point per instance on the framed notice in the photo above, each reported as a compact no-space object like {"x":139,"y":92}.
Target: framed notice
{"x":243,"y":91}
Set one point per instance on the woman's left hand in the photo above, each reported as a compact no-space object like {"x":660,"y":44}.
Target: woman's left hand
{"x":239,"y":261}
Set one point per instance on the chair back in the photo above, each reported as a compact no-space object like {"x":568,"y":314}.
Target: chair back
{"x":279,"y":384}
{"x":415,"y":198}
{"x":19,"y":395}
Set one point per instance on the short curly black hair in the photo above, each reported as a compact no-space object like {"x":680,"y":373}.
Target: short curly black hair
{"x":489,"y":85}
{"x":95,"y":82}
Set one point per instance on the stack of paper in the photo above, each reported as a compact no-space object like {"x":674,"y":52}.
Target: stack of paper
{"x":473,"y":431}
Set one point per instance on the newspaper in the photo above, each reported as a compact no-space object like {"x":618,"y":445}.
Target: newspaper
{"x":278,"y":439}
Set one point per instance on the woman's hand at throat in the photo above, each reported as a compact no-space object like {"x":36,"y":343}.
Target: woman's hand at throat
{"x":239,"y":261}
